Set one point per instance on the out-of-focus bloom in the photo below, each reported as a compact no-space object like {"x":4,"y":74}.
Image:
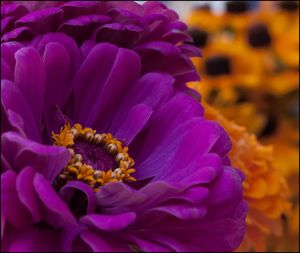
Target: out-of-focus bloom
{"x":250,"y":73}
{"x":134,"y":165}
{"x":265,"y":189}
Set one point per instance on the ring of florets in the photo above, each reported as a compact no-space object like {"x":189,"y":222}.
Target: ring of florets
{"x":76,"y":169}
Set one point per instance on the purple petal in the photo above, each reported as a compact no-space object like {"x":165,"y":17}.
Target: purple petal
{"x":86,"y":47}
{"x":89,"y":73}
{"x":35,"y":240}
{"x":198,"y":141}
{"x":42,"y":21}
{"x":152,"y":89}
{"x":30,"y":78}
{"x":57,"y":212}
{"x":193,"y":195}
{"x":12,"y":99}
{"x":223,"y":144}
{"x":21,"y":152}
{"x":5,"y":164}
{"x":77,"y":8}
{"x":8,"y":50}
{"x":11,"y":207}
{"x":27,"y":194}
{"x":226,"y":192}
{"x":181,"y":211}
{"x":70,"y":236}
{"x":13,"y":10}
{"x":107,"y":86}
{"x":111,"y":222}
{"x":5,"y":70}
{"x":57,"y":65}
{"x":68,"y":190}
{"x":190,"y":50}
{"x":137,"y":118}
{"x":123,"y":35}
{"x":40,"y":42}
{"x":116,"y":197}
{"x":81,"y":27}
{"x":20,"y":33}
{"x":96,"y":243}
{"x":148,"y":245}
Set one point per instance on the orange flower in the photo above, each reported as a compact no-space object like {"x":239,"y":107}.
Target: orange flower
{"x":265,"y":189}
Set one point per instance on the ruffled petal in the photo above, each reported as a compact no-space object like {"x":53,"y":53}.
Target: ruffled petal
{"x":42,"y":21}
{"x":21,"y":152}
{"x":57,"y":213}
{"x":81,"y":28}
{"x":118,"y":197}
{"x":69,"y":189}
{"x":13,"y":100}
{"x":123,"y":35}
{"x":111,"y":222}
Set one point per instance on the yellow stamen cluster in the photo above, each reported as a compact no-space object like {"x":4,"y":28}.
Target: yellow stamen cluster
{"x":77,"y":170}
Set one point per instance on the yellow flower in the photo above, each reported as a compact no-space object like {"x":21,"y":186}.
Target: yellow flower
{"x":265,"y":189}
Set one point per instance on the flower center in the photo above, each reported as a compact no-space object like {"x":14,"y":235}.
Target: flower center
{"x":96,"y":159}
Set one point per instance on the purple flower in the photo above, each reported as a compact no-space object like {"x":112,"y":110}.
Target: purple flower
{"x":103,"y":148}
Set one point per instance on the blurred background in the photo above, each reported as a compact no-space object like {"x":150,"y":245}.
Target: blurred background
{"x":250,"y":73}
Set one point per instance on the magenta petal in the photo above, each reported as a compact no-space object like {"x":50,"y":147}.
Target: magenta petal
{"x":35,"y":240}
{"x":8,"y":50}
{"x":110,"y":222}
{"x":226,"y":189}
{"x":123,"y":35}
{"x":70,"y":236}
{"x":5,"y":70}
{"x":124,"y":72}
{"x":81,"y":28}
{"x":57,"y":65}
{"x":57,"y":212}
{"x":116,"y":197}
{"x":45,"y":20}
{"x":21,"y":152}
{"x":40,"y":42}
{"x":136,"y":120}
{"x":5,"y":164}
{"x":30,"y":78}
{"x":181,"y":211}
{"x":148,"y":245}
{"x":20,"y":33}
{"x":152,"y":89}
{"x":96,"y":243}
{"x":27,"y":194}
{"x":89,"y":73}
{"x":193,"y":195}
{"x":13,"y":10}
{"x":175,"y":112}
{"x":10,"y":93}
{"x":68,"y":190}
{"x":11,"y":207}
{"x":200,"y":139}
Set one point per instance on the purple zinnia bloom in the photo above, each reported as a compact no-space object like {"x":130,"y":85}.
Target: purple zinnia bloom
{"x":103,"y":148}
